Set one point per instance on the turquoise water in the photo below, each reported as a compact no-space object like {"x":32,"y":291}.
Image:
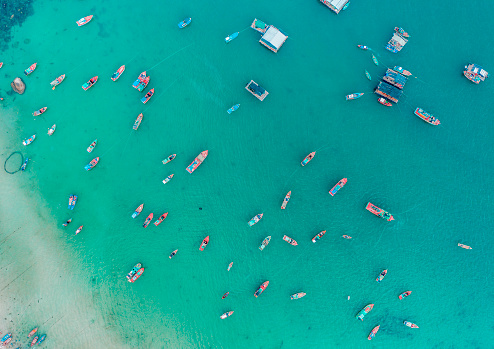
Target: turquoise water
{"x":436,"y":181}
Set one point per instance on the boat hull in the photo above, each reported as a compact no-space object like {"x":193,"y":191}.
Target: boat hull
{"x":197,"y":161}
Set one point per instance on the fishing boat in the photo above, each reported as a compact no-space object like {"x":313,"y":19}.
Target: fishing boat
{"x":40,"y":111}
{"x":231,"y":37}
{"x":384,"y":101}
{"x":29,"y":140}
{"x":410,"y":324}
{"x":298,"y":295}
{"x":139,"y":79}
{"x":402,"y":32}
{"x":137,"y":123}
{"x":346,"y":237}
{"x":382,"y":275}
{"x":30,"y":69}
{"x":117,"y":74}
{"x":318,"y":236}
{"x":84,"y":20}
{"x":404,"y":294}
{"x":368,"y":75}
{"x":475,"y":73}
{"x":7,"y":342}
{"x":426,"y":117}
{"x":354,"y":96}
{"x":338,"y":186}
{"x":290,"y":240}
{"x":1,"y":64}
{"x":185,"y":22}
{"x":363,"y":47}
{"x":148,"y":96}
{"x":402,"y":71}
{"x":161,"y":219}
{"x":167,"y":179}
{"x":373,"y":332}
{"x":308,"y":158}
{"x":57,"y":81}
{"x":173,"y":254}
{"x":72,"y":201}
{"x":265,"y":242}
{"x":379,"y":212}
{"x":232,"y":109}
{"x":230,"y":266}
{"x":227,"y":314}
{"x":41,"y":339}
{"x":24,"y":165}
{"x":466,"y":247}
{"x":170,"y":158}
{"x":148,"y":220}
{"x":7,"y":336}
{"x":261,"y":288}
{"x":225,"y":295}
{"x":33,"y":342}
{"x":92,"y":145}
{"x":52,"y":129}
{"x":137,"y":211}
{"x":33,"y":331}
{"x":91,"y":164}
{"x":137,"y":275}
{"x":67,"y":222}
{"x":79,"y":230}
{"x":197,"y":161}
{"x":90,"y":83}
{"x":255,"y":219}
{"x":374,"y":59}
{"x":204,"y":243}
{"x":143,"y":84}
{"x":286,"y":199}
{"x":364,"y":311}
{"x":133,"y":271}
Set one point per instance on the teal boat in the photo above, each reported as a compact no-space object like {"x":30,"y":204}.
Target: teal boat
{"x":364,"y":311}
{"x":368,"y":75}
{"x":231,"y":37}
{"x":232,"y":109}
{"x":374,"y":59}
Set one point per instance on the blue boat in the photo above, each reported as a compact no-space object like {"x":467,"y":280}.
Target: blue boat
{"x":72,"y":201}
{"x":232,"y":109}
{"x":185,"y":22}
{"x":93,"y":163}
{"x":231,"y":37}
{"x":7,"y":336}
{"x":346,"y":6}
{"x":23,"y":167}
{"x":42,"y":338}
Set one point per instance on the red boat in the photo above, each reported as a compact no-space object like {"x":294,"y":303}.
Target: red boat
{"x":30,"y":69}
{"x":385,"y":102}
{"x":161,"y":219}
{"x":261,"y":288}
{"x":290,"y":240}
{"x":338,"y":186}
{"x":308,"y":158}
{"x":35,"y":339}
{"x":139,"y":80}
{"x":90,"y":83}
{"x":1,"y":64}
{"x":79,"y":230}
{"x":204,"y":243}
{"x":379,"y":212}
{"x":137,"y":275}
{"x":382,"y":275}
{"x":40,"y":111}
{"x":137,"y":211}
{"x":197,"y":161}
{"x":117,"y":74}
{"x":286,"y":199}
{"x":225,"y":295}
{"x":404,"y":294}
{"x":318,"y":236}
{"x":84,"y":20}
{"x":373,"y":332}
{"x":148,"y":220}
{"x":148,"y":96}
{"x":347,"y":237}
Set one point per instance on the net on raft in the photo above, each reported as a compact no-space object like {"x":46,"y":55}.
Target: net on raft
{"x":13,"y":168}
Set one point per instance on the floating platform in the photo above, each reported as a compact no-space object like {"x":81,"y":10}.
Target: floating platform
{"x":335,"y":5}
{"x":256,"y":90}
{"x":388,"y":91}
{"x":273,"y":38}
{"x":396,"y":43}
{"x":475,"y":73}
{"x":394,"y":78}
{"x":259,"y":26}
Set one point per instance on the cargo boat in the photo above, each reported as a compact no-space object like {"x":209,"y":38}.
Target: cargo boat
{"x":404,"y":294}
{"x":354,"y":96}
{"x":148,"y":220}
{"x":318,"y":236}
{"x":86,"y":86}
{"x":255,"y":219}
{"x":92,"y":145}
{"x":138,"y":211}
{"x":84,"y":20}
{"x":298,"y":295}
{"x":379,"y":212}
{"x":197,"y":161}
{"x":426,"y":117}
{"x":410,"y":324}
{"x":72,"y":201}
{"x":373,"y":332}
{"x":167,"y":179}
{"x":161,"y":219}
{"x":475,"y":73}
{"x":264,"y":243}
{"x":308,"y":158}
{"x":286,"y":199}
{"x":137,"y":275}
{"x":57,"y":81}
{"x":118,"y":73}
{"x":261,"y":288}
{"x":290,"y":240}
{"x":30,"y":69}
{"x":91,"y":165}
{"x":364,"y":311}
{"x":138,"y":121}
{"x":338,"y":186}
{"x":227,"y":314}
{"x":133,"y":271}
{"x":382,"y":275}
{"x":170,"y":158}
{"x":204,"y":243}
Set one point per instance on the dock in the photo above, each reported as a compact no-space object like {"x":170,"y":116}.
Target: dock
{"x":256,"y":90}
{"x":335,"y":5}
{"x":475,"y":73}
{"x":396,"y":43}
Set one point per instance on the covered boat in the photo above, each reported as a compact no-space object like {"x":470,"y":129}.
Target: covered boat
{"x":84,"y":20}
{"x":429,"y":118}
{"x":170,"y":158}
{"x":40,"y":111}
{"x":33,"y":331}
{"x":161,"y":219}
{"x":354,"y":96}
{"x":52,"y":129}
{"x":204,"y":243}
{"x":384,"y":101}
{"x":402,"y":71}
{"x":79,"y":230}
{"x":338,"y":186}
{"x":185,"y":22}
{"x":290,"y":240}
{"x":396,"y":43}
{"x":30,"y":69}
{"x":167,"y":179}
{"x":466,"y":247}
{"x":227,"y":314}
{"x":318,"y":236}
{"x":286,"y":199}
{"x":410,"y":324}
{"x":133,"y":271}
{"x":261,"y":288}
{"x":92,"y":145}
{"x":475,"y":73}
{"x":91,"y":165}
{"x":173,"y":254}
{"x":57,"y":81}
{"x":29,"y":140}
{"x":117,"y":74}
{"x":404,"y":294}
{"x":255,"y":219}
{"x":148,"y":220}
{"x":256,"y":90}
{"x":197,"y":161}
{"x":139,"y":79}
{"x":298,"y":295}
{"x":265,"y":242}
{"x":147,"y":96}
{"x":231,"y":37}
{"x":137,"y":275}
{"x":138,"y":211}
{"x":382,"y":275}
{"x":137,"y":123}
{"x":86,"y":86}
{"x":364,"y":311}
{"x":72,"y":201}
{"x":308,"y":158}
{"x":372,"y":334}
{"x":379,"y":212}
{"x":232,"y":109}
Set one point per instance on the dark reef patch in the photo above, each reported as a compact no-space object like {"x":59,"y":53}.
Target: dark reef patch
{"x":12,"y":13}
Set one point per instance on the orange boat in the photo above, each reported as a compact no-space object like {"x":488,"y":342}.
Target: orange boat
{"x":30,"y":69}
{"x":308,"y":158}
{"x":161,"y":219}
{"x":33,"y":331}
{"x":148,"y":220}
{"x":373,"y":332}
{"x":286,"y":199}
{"x":84,"y":20}
{"x":204,"y":243}
{"x":379,"y":212}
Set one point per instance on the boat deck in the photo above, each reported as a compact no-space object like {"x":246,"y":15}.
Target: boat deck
{"x":256,"y":90}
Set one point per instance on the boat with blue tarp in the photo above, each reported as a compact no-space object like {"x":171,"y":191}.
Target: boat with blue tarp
{"x":185,"y":22}
{"x":231,"y":37}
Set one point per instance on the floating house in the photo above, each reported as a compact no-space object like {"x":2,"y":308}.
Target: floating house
{"x":397,"y":41}
{"x":272,"y":38}
{"x":335,"y":5}
{"x":475,"y":73}
{"x":256,"y":90}
{"x":392,"y":85}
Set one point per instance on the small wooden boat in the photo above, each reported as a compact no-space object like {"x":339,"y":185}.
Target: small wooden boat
{"x":90,"y":83}
{"x":167,"y":179}
{"x":338,"y":186}
{"x":231,"y":37}
{"x":161,"y":219}
{"x":232,"y":109}
{"x":52,"y":129}
{"x":117,"y":74}
{"x":308,"y":158}
{"x":373,"y":332}
{"x":197,"y":161}
{"x":148,"y":220}
{"x":379,"y":212}
{"x":67,"y":222}
{"x":173,"y":254}
{"x":57,"y":81}
{"x":227,"y":314}
{"x":225,"y":295}
{"x":92,"y":145}
{"x":143,"y":84}
{"x":133,"y":271}
{"x":29,"y":140}
{"x":230,"y":266}
{"x":7,"y":336}
{"x":72,"y":201}
{"x":286,"y":199}
{"x":374,"y":59}
{"x":185,"y":22}
{"x":137,"y":123}
{"x":265,"y":242}
{"x":402,"y":32}
{"x":204,"y":243}
{"x":364,"y":311}
{"x":148,"y":96}
{"x":40,"y":111}
{"x":139,"y":79}
{"x":402,"y":71}
{"x":410,"y":324}
{"x":466,"y":247}
{"x":137,"y":275}
{"x":138,"y":211}
{"x":363,"y":47}
{"x":404,"y":294}
{"x":318,"y":236}
{"x":84,"y":20}
{"x":346,"y":237}
{"x":368,"y":75}
{"x":79,"y":230}
{"x":170,"y":158}
{"x":429,"y":118}
{"x":290,"y":240}
{"x":255,"y":219}
{"x":298,"y":295}
{"x":30,"y":69}
{"x":33,"y":342}
{"x":382,"y":275}
{"x":91,"y":164}
{"x":261,"y":288}
{"x":24,"y":165}
{"x":384,"y":101}
{"x":354,"y":96}
{"x":41,"y":339}
{"x":33,"y":331}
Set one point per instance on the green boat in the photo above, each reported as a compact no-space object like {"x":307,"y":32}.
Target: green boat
{"x":364,"y":311}
{"x":368,"y":75}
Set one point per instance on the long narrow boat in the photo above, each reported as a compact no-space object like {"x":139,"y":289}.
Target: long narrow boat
{"x":137,"y":275}
{"x":143,"y":84}
{"x":40,"y":111}
{"x":231,"y":37}
{"x":41,"y":339}
{"x":466,"y":247}
{"x":79,"y":230}
{"x":368,"y":75}
{"x":30,"y":69}
{"x":173,"y":254}
{"x":374,"y":59}
{"x":170,"y":158}
{"x":86,"y":86}
{"x":410,"y":324}
{"x":230,"y":266}
{"x":402,"y":71}
{"x":138,"y":211}
{"x":384,"y":102}
{"x":225,"y":295}
{"x":318,"y":236}
{"x":148,"y":96}
{"x":29,"y":140}
{"x":161,"y":219}
{"x":404,"y":294}
{"x":33,"y":331}
{"x":338,"y":186}
{"x":286,"y":199}
{"x":290,"y":240}
{"x":137,"y":123}
{"x":148,"y":220}
{"x":67,"y":222}
{"x":346,"y":237}
{"x":382,"y":275}
{"x":255,"y":219}
{"x":429,"y":118}
{"x":167,"y":179}
{"x":227,"y":314}
{"x":139,"y":79}
{"x":72,"y":201}
{"x":204,"y":243}
{"x":308,"y":158}
{"x":197,"y":161}
{"x":379,"y":212}
{"x":57,"y":81}
{"x":261,"y":288}
{"x":52,"y":129}
{"x":232,"y":109}
{"x":33,"y":342}
{"x":364,"y":311}
{"x":185,"y":22}
{"x":372,"y":334}
{"x":133,"y":271}
{"x":118,"y":73}
{"x":84,"y":20}
{"x":264,"y":243}
{"x":363,"y":47}
{"x":298,"y":295}
{"x":91,"y":164}
{"x":24,"y":165}
{"x":92,"y":145}
{"x":354,"y":96}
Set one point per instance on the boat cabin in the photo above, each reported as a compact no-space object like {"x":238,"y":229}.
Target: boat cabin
{"x":273,"y":38}
{"x":394,"y":78}
{"x":256,"y":90}
{"x":475,"y":73}
{"x":335,"y":5}
{"x":259,"y":26}
{"x":388,"y":91}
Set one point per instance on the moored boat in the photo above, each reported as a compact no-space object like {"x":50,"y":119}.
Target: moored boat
{"x":402,"y":32}
{"x":40,"y":111}
{"x":346,"y":6}
{"x":167,"y":179}
{"x":475,"y":73}
{"x":354,"y":96}
{"x":225,"y":295}
{"x":231,"y":37}
{"x":379,"y":212}
{"x":79,"y":230}
{"x":161,"y":219}
{"x":30,"y":69}
{"x":338,"y":186}
{"x":67,"y":222}
{"x":382,"y":275}
{"x":255,"y":219}
{"x":197,"y":161}
{"x":204,"y":243}
{"x":466,"y":247}
{"x":170,"y":158}
{"x":368,"y":75}
{"x":57,"y":81}
{"x":404,"y":294}
{"x":261,"y":288}
{"x":52,"y":129}
{"x":148,"y":96}
{"x":374,"y":59}
{"x":232,"y":109}
{"x":139,"y":79}
{"x":92,"y":145}
{"x":41,"y":339}
{"x":402,"y":71}
{"x":137,"y":123}
{"x":318,"y":236}
{"x":118,"y":73}
{"x":143,"y":84}
{"x":361,"y":314}
{"x":298,"y":295}
{"x":91,"y":164}
{"x":84,"y":20}
{"x":137,"y":211}
{"x":362,"y":47}
{"x":265,"y":242}
{"x":410,"y":324}
{"x":230,"y":266}
{"x":308,"y":158}
{"x":290,"y":240}
{"x":173,"y":254}
{"x":384,"y":101}
{"x":24,"y":165}
{"x":346,"y":237}
{"x":185,"y":22}
{"x":137,"y":275}
{"x":29,"y":140}
{"x":133,"y":271}
{"x":7,"y":342}
{"x":148,"y":220}
{"x":286,"y":199}
{"x":90,"y":83}
{"x":227,"y":314}
{"x":72,"y":201}
{"x":1,"y":64}
{"x":426,"y":117}
{"x":33,"y":331}
{"x":372,"y":334}
{"x":33,"y":342}
{"x":7,"y":336}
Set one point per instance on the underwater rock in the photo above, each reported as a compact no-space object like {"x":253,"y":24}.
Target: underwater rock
{"x":18,"y":85}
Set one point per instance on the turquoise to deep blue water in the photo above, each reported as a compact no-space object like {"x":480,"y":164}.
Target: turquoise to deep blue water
{"x":435,"y":180}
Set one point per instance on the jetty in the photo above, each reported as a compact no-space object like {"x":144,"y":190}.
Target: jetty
{"x":256,"y":90}
{"x":273,"y":38}
{"x":396,"y":43}
{"x":475,"y":73}
{"x":335,"y":5}
{"x":391,"y":86}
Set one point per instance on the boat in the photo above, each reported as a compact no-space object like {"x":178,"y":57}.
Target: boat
{"x":379,"y":212}
{"x":79,"y":230}
{"x":374,"y":59}
{"x":148,"y":220}
{"x":33,"y":331}
{"x":368,"y":75}
{"x":29,"y":140}
{"x":265,"y":242}
{"x":255,"y":219}
{"x":286,"y":199}
{"x":232,"y":109}
{"x":143,"y":84}
{"x":197,"y":161}
{"x":52,"y":129}
{"x":137,"y":275}
{"x":90,"y":83}
{"x":40,"y":111}
{"x":72,"y":201}
{"x":475,"y":73}
{"x":363,"y":47}
{"x":139,"y":79}
{"x":167,"y":179}
{"x":338,"y":186}
{"x":7,"y":336}
{"x":346,"y":6}
{"x":261,"y":288}
{"x":298,"y":295}
{"x":133,"y":271}
{"x":173,"y":254}
{"x":230,"y":266}
{"x":402,"y":71}
{"x":290,"y":240}
{"x":84,"y":20}
{"x":346,"y":237}
{"x":41,"y":339}
{"x":231,"y":37}
{"x":1,"y":64}
{"x":410,"y":324}
{"x":148,"y":96}
{"x":161,"y":219}
{"x":57,"y":81}
{"x":404,"y":294}
{"x":67,"y":222}
{"x":384,"y":101}
{"x":426,"y":117}
{"x":308,"y":158}
{"x":91,"y":164}
{"x":92,"y":145}
{"x":382,"y":275}
{"x":30,"y":69}
{"x":466,"y":247}
{"x":204,"y":243}
{"x":24,"y":165}
{"x":117,"y":74}
{"x":372,"y":334}
{"x":354,"y":96}
{"x":137,"y":211}
{"x":33,"y":342}
{"x":364,"y":311}
{"x":225,"y":295}
{"x":185,"y":22}
{"x":137,"y":123}
{"x":170,"y":158}
{"x":318,"y":236}
{"x":402,"y":32}
{"x":227,"y":314}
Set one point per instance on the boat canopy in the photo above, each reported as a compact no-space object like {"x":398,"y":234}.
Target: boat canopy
{"x":274,"y":37}
{"x":399,"y":39}
{"x":260,"y":24}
